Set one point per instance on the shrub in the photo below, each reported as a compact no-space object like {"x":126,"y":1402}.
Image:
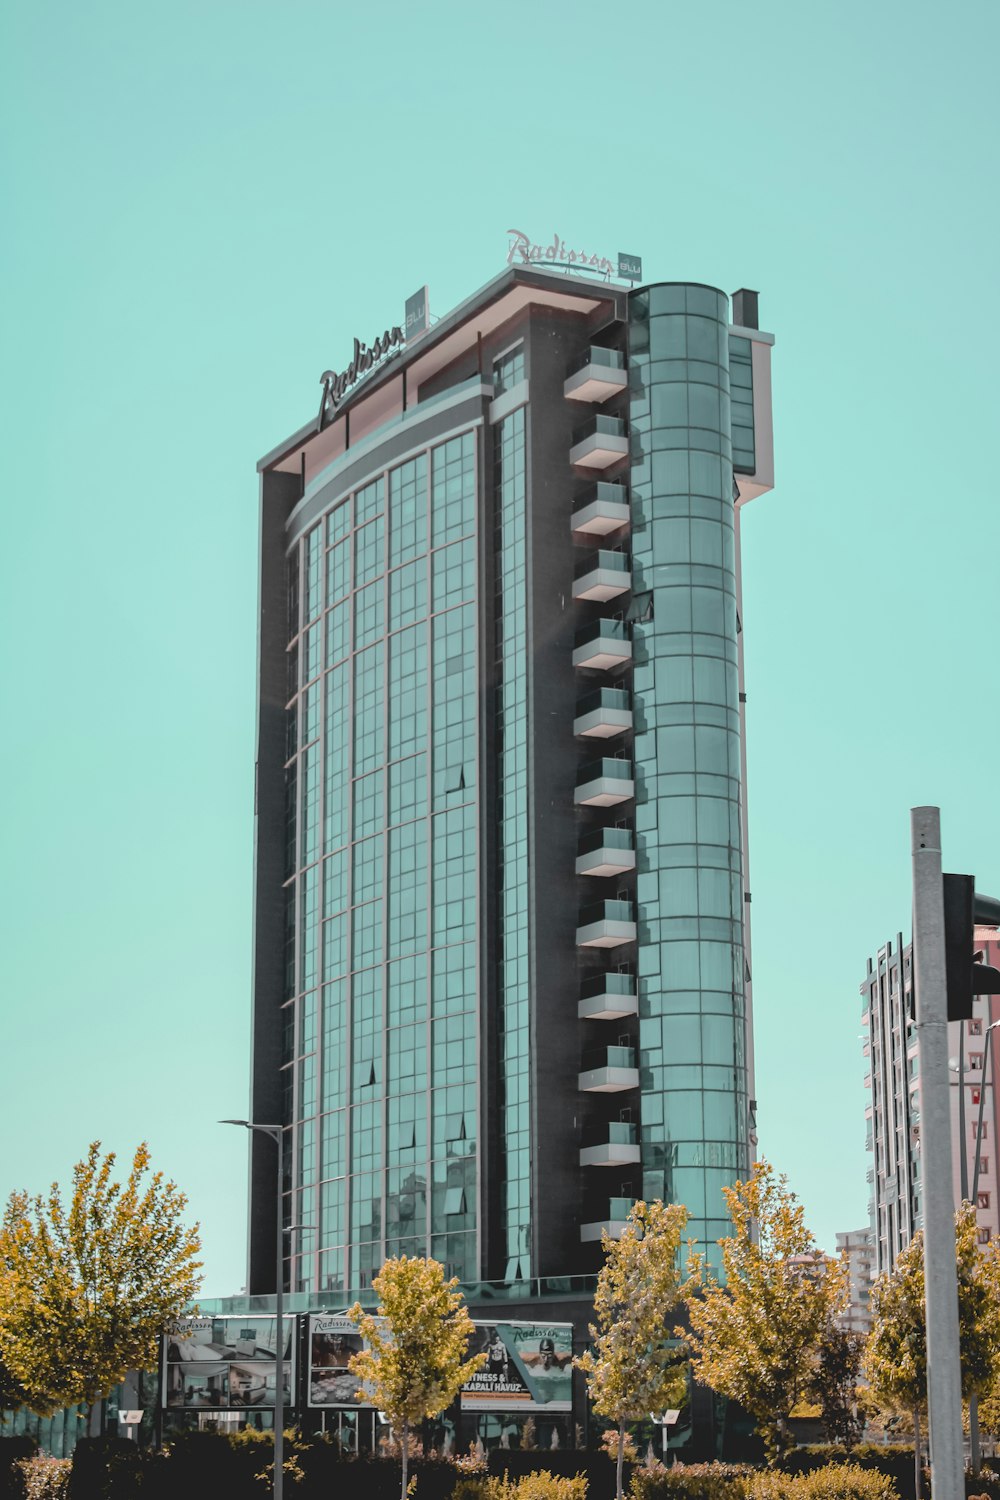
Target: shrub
{"x":713,"y":1481}
{"x":833,"y":1482}
{"x":539,"y":1485}
{"x":45,"y":1478}
{"x":104,"y":1468}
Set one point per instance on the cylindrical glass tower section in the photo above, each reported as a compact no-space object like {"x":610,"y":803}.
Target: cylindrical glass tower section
{"x":695,"y":1127}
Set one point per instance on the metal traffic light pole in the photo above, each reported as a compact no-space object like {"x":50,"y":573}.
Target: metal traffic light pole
{"x":944,"y":1379}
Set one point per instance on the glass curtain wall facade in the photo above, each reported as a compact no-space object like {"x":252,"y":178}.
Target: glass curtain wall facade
{"x":381,"y":1005}
{"x":695,"y":1123}
{"x":513,"y":882}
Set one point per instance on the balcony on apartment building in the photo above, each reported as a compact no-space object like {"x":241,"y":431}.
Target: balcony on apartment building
{"x":614,"y":1225}
{"x":601,"y":509}
{"x":609,"y":1070}
{"x":606,"y":924}
{"x":604,"y":713}
{"x":605,"y":851}
{"x":603,"y":783}
{"x":600,"y":442}
{"x":608,"y":996}
{"x":596,"y":375}
{"x":602,"y":575}
{"x":618,"y":1146}
{"x":602,"y":644}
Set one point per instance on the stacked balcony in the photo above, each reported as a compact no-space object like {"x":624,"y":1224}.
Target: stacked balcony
{"x":606,"y":924}
{"x":609,"y":1070}
{"x":602,"y":575}
{"x":601,"y":509}
{"x":596,"y":376}
{"x":619,"y":1147}
{"x":603,"y":714}
{"x":604,"y":783}
{"x":602,"y":644}
{"x":599,"y":443}
{"x":614,"y":1225}
{"x":608,"y":997}
{"x":606,"y":851}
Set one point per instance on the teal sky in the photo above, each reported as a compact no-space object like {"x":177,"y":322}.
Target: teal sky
{"x":204,"y":202}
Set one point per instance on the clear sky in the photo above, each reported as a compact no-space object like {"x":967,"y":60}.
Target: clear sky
{"x":203,"y":203}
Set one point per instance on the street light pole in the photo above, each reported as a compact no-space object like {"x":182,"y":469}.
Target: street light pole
{"x":277,"y":1135}
{"x":944,"y":1381}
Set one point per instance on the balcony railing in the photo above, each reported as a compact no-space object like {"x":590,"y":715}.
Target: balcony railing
{"x":603,"y":714}
{"x":611,"y":359}
{"x":602,"y":644}
{"x":601,"y":509}
{"x":602,"y":575}
{"x":599,"y":443}
{"x":610,"y":982}
{"x":606,"y":838}
{"x":595,"y":375}
{"x":608,"y":911}
{"x":616,"y":1145}
{"x":614,"y":1225}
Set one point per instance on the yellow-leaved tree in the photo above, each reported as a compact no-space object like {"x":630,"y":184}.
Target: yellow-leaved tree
{"x":754,"y":1337}
{"x":417,"y":1360}
{"x":87,"y":1290}
{"x":895,"y":1358}
{"x":632,"y":1369}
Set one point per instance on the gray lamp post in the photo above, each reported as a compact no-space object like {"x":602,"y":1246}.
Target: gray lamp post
{"x":275,"y":1132}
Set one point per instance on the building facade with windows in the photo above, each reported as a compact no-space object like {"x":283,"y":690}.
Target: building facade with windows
{"x":893,"y":1111}
{"x":502,"y":981}
{"x":855,"y":1246}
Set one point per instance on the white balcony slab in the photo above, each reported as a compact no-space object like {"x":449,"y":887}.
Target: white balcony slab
{"x":600,"y":518}
{"x":603,"y":723}
{"x":614,"y":1228}
{"x":602,"y":583}
{"x":602,"y":653}
{"x":595,"y":383}
{"x":608,"y":1080}
{"x":604,"y":791}
{"x":607,"y":1007}
{"x":605,"y":934}
{"x":599,"y":451}
{"x":609,"y":1155}
{"x":605,"y":861}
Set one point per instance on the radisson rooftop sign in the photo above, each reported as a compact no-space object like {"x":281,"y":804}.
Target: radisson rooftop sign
{"x":523,"y":252}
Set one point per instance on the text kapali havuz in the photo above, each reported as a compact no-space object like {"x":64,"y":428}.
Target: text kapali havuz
{"x":365,"y":356}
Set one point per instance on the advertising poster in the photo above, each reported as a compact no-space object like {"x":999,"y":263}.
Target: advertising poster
{"x":224,"y":1363}
{"x":332,"y":1341}
{"x":529,"y":1366}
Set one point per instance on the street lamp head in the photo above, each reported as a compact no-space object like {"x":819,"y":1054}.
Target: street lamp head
{"x":235,"y":1122}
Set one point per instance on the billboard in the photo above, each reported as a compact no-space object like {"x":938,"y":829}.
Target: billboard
{"x":225,"y":1364}
{"x":529,"y":1367}
{"x":332,"y":1341}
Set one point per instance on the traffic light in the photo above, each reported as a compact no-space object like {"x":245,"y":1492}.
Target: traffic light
{"x":966,"y":976}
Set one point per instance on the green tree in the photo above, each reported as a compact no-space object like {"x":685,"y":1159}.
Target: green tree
{"x":86,"y":1291}
{"x":755,"y":1337}
{"x":631,"y":1369}
{"x":834,"y":1383}
{"x":417,"y":1360}
{"x":895,"y":1360}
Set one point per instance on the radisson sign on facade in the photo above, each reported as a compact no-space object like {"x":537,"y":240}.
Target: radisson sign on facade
{"x":335,"y":386}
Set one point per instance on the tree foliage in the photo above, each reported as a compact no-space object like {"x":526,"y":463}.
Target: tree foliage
{"x":631,"y":1369}
{"x":417,"y":1359}
{"x":86,"y":1290}
{"x":754,"y":1337}
{"x":895,"y":1360}
{"x":834,"y":1383}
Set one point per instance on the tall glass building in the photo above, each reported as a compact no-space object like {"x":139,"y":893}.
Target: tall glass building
{"x":502,"y":981}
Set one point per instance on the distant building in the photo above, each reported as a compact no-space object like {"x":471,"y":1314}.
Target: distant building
{"x":856,"y":1246}
{"x":893,"y":1112}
